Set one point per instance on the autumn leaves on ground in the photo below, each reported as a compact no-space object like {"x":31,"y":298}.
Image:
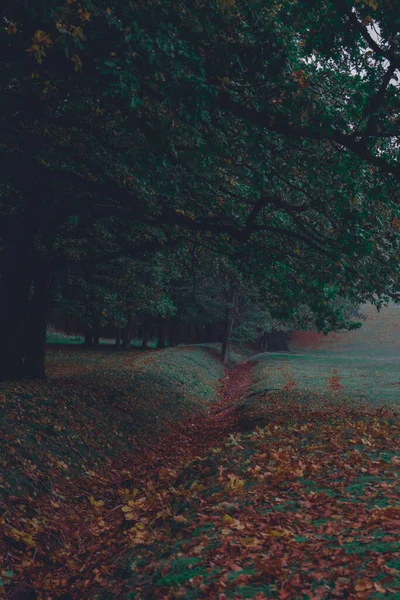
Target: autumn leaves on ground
{"x":159,"y":475}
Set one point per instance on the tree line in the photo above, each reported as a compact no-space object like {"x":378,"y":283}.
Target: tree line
{"x":188,"y":297}
{"x":248,"y":149}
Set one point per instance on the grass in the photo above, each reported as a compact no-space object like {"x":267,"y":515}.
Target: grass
{"x":301,"y":500}
{"x":56,"y":336}
{"x":95,"y":408}
{"x":304,"y":502}
{"x":363,"y":364}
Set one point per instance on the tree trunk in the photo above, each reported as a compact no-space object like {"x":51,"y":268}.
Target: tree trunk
{"x":178,"y":334}
{"x":88,"y":343}
{"x":118,"y":338}
{"x":36,"y":324}
{"x":171,"y":335}
{"x":126,"y":334}
{"x":278,"y":341}
{"x":161,"y":335}
{"x":226,"y":342}
{"x":145,"y":334}
{"x":15,"y":282}
{"x":262,"y":344}
{"x":174,"y":330}
{"x":199,"y":335}
{"x":209,"y":334}
{"x":230,"y":315}
{"x":96,"y":337}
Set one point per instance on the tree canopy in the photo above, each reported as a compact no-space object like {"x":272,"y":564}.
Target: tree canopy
{"x":262,"y":132}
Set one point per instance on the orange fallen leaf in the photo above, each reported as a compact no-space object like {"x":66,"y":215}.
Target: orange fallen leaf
{"x":364,"y":584}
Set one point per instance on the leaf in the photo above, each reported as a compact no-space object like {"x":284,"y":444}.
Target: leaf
{"x":7,"y":574}
{"x":269,"y":567}
{"x":130,"y":516}
{"x":12,"y":29}
{"x":275,"y":533}
{"x":77,"y":62}
{"x":96,"y":503}
{"x":235,"y":483}
{"x":180,"y":519}
{"x":364,"y":584}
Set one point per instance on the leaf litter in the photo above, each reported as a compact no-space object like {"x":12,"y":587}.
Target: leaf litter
{"x":295,"y":495}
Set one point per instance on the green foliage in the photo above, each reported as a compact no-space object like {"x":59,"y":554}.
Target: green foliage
{"x":258,"y":132}
{"x":138,"y":126}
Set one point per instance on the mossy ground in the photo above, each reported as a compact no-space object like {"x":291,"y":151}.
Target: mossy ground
{"x":93,"y":408}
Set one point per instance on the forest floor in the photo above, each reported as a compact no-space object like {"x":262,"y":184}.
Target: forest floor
{"x":160,"y":476}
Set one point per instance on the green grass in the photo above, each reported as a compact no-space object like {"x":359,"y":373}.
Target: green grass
{"x":55,"y":336}
{"x":59,"y":337}
{"x":365,"y":362}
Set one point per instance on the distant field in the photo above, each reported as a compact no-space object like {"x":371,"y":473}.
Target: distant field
{"x":363,"y":364}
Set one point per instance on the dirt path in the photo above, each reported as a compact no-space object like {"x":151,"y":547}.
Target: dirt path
{"x":191,"y":437}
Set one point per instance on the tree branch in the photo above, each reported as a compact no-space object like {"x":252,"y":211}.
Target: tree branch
{"x":389,"y":55}
{"x":132,"y":252}
{"x":374,"y":105}
{"x":282,"y":125}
